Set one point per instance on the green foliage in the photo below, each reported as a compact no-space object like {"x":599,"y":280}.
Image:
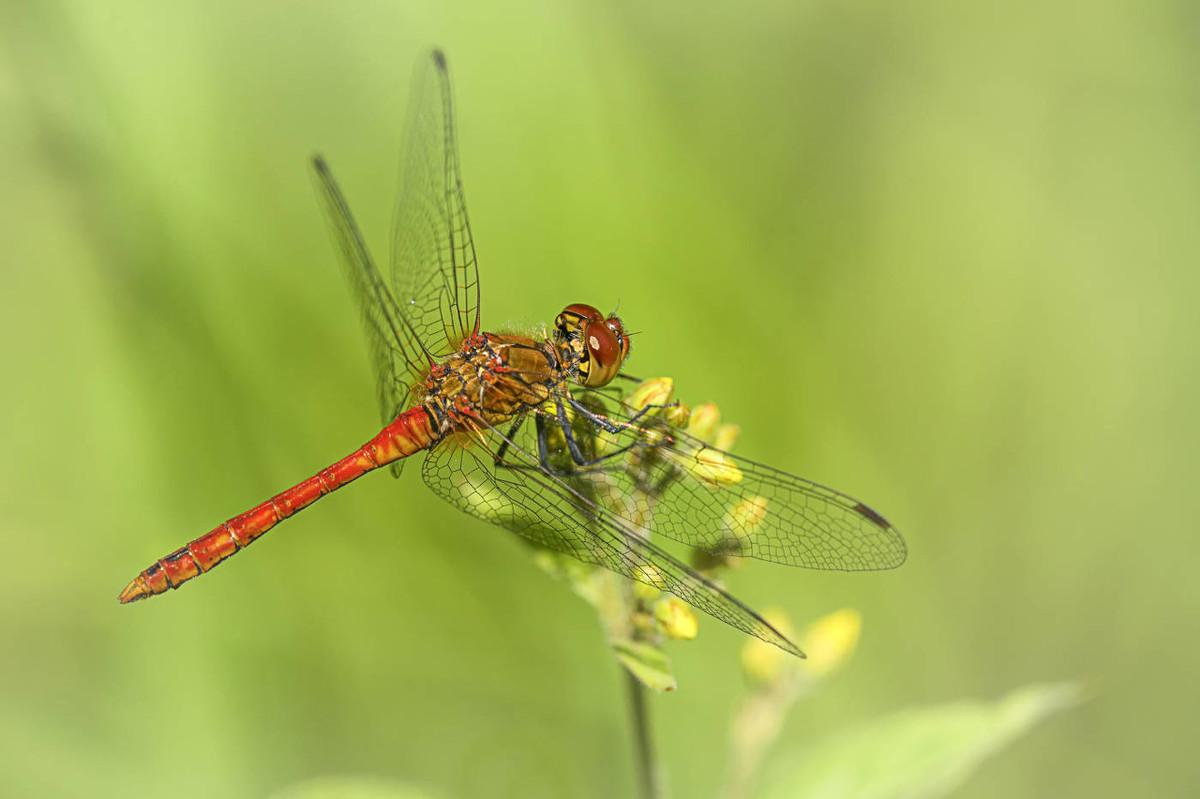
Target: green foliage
{"x":647,"y":662}
{"x":942,"y":256}
{"x":925,"y":752}
{"x":350,"y":788}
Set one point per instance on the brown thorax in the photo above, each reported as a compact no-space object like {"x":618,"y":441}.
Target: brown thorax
{"x":491,"y":379}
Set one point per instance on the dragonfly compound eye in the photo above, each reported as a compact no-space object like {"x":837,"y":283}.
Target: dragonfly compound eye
{"x":573,"y":318}
{"x":604,"y":354}
{"x":618,"y":329}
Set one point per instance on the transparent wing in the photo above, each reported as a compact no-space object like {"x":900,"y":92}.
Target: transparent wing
{"x":718,"y":502}
{"x":432,"y":300}
{"x":434,"y":272}
{"x":495,"y":478}
{"x":396,"y":350}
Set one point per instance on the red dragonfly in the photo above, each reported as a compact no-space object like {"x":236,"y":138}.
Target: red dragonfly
{"x":529,"y":432}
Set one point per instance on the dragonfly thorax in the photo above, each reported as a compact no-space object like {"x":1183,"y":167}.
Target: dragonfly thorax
{"x":491,"y":378}
{"x":593,"y":344}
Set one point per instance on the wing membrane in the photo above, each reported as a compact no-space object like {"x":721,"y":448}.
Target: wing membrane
{"x":432,"y":299}
{"x":499,"y":481}
{"x":434,"y":270}
{"x":396,"y":351}
{"x":719,"y":502}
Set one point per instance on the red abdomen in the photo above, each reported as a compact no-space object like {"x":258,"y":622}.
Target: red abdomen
{"x":409,"y":433}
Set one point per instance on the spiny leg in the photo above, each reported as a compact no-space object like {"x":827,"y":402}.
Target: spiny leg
{"x":508,"y":438}
{"x":577,"y":455}
{"x":609,"y":425}
{"x":563,"y":422}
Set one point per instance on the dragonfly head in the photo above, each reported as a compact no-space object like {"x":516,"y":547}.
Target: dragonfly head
{"x":598,"y":344}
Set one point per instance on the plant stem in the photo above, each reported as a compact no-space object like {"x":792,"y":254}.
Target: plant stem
{"x":642,"y":742}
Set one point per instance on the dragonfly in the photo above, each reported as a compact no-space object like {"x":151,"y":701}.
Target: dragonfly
{"x":530,"y":431}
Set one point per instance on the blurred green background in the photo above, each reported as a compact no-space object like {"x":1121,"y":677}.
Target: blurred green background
{"x":941,"y":256}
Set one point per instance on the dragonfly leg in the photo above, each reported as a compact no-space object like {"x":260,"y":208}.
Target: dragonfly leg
{"x":543,"y":447}
{"x":543,"y":453}
{"x":608,"y":424}
{"x":502,"y":450}
{"x":573,"y":447}
{"x":600,"y":421}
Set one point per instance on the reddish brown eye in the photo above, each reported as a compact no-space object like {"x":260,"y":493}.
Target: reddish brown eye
{"x":602,"y":344}
{"x":583,"y":311}
{"x":574,"y":317}
{"x":604,"y":353}
{"x":614,"y":324}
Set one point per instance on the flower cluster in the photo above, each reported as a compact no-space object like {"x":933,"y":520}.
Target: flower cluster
{"x":638,"y":617}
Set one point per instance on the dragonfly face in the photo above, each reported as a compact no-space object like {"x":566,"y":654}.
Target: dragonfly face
{"x":597,"y":344}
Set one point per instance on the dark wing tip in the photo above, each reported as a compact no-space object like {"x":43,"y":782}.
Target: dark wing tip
{"x":318,"y":163}
{"x":899,"y":550}
{"x":873,"y":516}
{"x":792,"y":649}
{"x":767,"y":632}
{"x":439,"y":58}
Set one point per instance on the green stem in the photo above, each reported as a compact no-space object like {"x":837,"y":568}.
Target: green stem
{"x":642,"y":741}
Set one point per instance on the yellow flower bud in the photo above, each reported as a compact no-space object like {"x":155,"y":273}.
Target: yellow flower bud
{"x":762,"y":663}
{"x":547,"y":560}
{"x":704,"y":420}
{"x":678,"y":415}
{"x":655,"y":391}
{"x":650,"y":576}
{"x":714,"y":467}
{"x":830,"y":641}
{"x":745,"y":517}
{"x":645,"y":593}
{"x":653,"y":436}
{"x":726,"y":436}
{"x":643,"y":622}
{"x":675,"y":618}
{"x":605,"y":442}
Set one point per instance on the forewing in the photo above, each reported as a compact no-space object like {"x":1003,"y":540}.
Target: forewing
{"x":723,"y":503}
{"x":434,"y":272}
{"x":396,"y":351}
{"x":497,"y":479}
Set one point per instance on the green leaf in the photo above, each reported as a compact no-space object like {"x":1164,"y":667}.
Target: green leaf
{"x":647,"y":662}
{"x":923,"y":752}
{"x":350,"y":788}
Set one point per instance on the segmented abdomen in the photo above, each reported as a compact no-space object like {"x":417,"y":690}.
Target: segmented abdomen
{"x":409,"y":433}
